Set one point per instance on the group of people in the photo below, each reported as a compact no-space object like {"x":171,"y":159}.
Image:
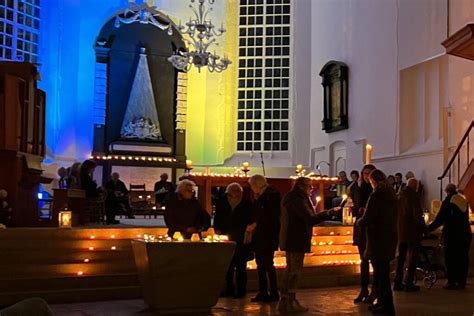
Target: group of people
{"x":387,"y":219}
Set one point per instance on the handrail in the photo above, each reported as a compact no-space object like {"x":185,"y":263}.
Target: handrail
{"x":456,"y":152}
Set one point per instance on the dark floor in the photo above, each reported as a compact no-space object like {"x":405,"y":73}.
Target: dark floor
{"x":329,"y":301}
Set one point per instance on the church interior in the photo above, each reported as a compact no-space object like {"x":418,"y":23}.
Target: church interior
{"x":107,"y":106}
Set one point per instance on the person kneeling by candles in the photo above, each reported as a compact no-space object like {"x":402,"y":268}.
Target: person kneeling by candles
{"x":231,"y":218}
{"x":183,"y":213}
{"x":297,"y":221}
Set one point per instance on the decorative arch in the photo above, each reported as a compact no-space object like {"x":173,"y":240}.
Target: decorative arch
{"x":118,"y":46}
{"x":337,"y":157}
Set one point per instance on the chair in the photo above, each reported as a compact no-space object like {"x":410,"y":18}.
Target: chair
{"x":95,"y":209}
{"x":138,"y":198}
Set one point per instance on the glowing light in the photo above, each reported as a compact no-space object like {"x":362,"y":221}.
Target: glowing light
{"x":86,"y":260}
{"x":79,"y":273}
{"x":112,"y":236}
{"x":92,"y":237}
{"x":91,"y":248}
{"x":113,"y":248}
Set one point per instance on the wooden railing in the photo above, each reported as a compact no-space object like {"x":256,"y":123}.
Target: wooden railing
{"x":455,"y":165}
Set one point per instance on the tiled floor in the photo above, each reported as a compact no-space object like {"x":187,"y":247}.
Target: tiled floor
{"x":330,"y":301}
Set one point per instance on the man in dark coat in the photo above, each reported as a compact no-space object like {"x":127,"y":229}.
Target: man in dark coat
{"x":265,"y":228}
{"x":162,"y":189}
{"x":117,"y":198}
{"x":183,"y":213}
{"x":411,"y":227}
{"x":380,"y":220}
{"x":454,"y":216}
{"x":231,"y":218}
{"x":297,"y":221}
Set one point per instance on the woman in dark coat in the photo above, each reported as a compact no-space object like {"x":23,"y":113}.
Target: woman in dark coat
{"x":359,"y":239}
{"x":411,"y":227}
{"x":297,"y":221}
{"x":265,"y":228}
{"x":454,"y":216}
{"x":183,"y":213}
{"x":87,"y":183}
{"x":231,"y":218}
{"x":380,"y":220}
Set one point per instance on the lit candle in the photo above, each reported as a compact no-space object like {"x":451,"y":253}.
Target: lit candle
{"x":368,"y":153}
{"x":195,"y":237}
{"x":189,"y":164}
{"x":299,"y":168}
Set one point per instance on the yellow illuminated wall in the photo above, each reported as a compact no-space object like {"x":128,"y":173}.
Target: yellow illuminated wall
{"x":212,"y":97}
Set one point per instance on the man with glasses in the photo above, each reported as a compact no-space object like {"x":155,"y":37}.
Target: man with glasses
{"x":183,"y":213}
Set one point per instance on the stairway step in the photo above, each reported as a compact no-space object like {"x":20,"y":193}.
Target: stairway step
{"x":64,"y":270}
{"x":61,"y":283}
{"x":39,"y":257}
{"x":43,"y":244}
{"x":74,"y":295}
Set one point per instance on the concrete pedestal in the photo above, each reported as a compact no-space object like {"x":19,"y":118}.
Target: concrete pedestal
{"x":184,"y":276}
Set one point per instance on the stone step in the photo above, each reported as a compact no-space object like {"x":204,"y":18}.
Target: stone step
{"x":73,"y":282}
{"x":39,"y":257}
{"x":64,"y":270}
{"x":74,"y":295}
{"x":55,"y":244}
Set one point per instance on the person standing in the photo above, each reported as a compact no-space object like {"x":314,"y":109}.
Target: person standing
{"x":297,"y":221}
{"x":359,"y":236}
{"x":454,"y":217}
{"x":411,"y":227}
{"x":265,"y":228}
{"x":380,"y":220}
{"x":231,"y":218}
{"x":399,"y":184}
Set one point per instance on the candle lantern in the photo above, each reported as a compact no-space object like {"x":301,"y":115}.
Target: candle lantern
{"x":245,"y":167}
{"x":189,"y":166}
{"x":195,"y":237}
{"x":299,"y":169}
{"x":347,"y":218}
{"x":65,"y":218}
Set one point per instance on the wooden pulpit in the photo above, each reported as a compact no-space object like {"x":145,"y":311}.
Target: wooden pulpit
{"x":22,"y":141}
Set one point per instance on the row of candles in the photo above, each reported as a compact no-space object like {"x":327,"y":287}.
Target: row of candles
{"x":177,"y":236}
{"x":143,"y":158}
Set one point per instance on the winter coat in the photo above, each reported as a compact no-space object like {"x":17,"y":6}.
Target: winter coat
{"x":297,"y":221}
{"x":454,"y":216}
{"x":360,"y":201}
{"x":380,"y":220}
{"x":411,"y":225}
{"x":233,"y":222}
{"x":181,"y":214}
{"x":266,"y":214}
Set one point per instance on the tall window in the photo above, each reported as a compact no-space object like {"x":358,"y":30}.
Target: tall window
{"x":264,"y":73}
{"x":19,"y":29}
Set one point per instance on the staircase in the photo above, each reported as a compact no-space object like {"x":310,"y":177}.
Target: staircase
{"x":460,"y":168}
{"x":97,"y":264}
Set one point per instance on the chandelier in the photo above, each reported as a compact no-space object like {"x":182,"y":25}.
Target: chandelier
{"x":202,"y":35}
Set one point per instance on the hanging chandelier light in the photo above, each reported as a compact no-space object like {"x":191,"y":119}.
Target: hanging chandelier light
{"x":202,"y":35}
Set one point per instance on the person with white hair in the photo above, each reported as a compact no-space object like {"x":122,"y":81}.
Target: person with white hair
{"x":419,"y":188}
{"x":183,"y":213}
{"x":454,"y":217}
{"x":265,"y":230}
{"x":231,"y":218}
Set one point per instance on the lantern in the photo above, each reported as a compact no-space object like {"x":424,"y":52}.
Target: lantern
{"x":65,"y":218}
{"x":195,"y":237}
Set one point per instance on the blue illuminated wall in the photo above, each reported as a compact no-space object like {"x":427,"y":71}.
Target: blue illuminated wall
{"x":67,"y":35}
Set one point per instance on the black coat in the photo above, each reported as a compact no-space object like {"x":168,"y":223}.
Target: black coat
{"x":362,"y":197}
{"x":266,"y":213}
{"x":411,"y":225}
{"x":380,"y":220}
{"x":181,"y":214}
{"x":233,"y":222}
{"x":297,"y":221}
{"x":454,"y":216}
{"x":90,"y":186}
